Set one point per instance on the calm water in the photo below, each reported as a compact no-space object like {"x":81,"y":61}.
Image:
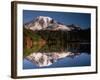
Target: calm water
{"x":80,"y":56}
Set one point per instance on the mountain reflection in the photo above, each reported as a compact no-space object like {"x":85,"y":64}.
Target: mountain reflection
{"x":51,"y":52}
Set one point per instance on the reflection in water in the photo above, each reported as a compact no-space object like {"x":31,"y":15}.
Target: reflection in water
{"x":59,"y":55}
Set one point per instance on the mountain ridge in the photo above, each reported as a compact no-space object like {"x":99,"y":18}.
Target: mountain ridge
{"x":48,"y":23}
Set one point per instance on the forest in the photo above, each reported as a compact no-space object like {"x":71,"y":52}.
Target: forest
{"x":52,"y":41}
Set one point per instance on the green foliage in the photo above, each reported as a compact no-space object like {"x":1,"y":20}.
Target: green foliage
{"x":55,"y":40}
{"x":35,"y":38}
{"x":31,"y":34}
{"x":28,"y":51}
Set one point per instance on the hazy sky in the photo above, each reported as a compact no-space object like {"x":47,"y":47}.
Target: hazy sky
{"x":81,"y":19}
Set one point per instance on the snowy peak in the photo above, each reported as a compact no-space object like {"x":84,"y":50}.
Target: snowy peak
{"x":48,"y":23}
{"x":41,"y":22}
{"x":45,"y":21}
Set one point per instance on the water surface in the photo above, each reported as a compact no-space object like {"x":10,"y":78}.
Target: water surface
{"x":80,"y":55}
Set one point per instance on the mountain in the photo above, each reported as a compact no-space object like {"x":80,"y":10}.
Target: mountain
{"x":48,"y":23}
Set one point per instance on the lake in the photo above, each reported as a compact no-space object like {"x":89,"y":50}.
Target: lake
{"x":52,"y":55}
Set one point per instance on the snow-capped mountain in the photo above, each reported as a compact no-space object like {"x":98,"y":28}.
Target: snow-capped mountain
{"x":48,"y":23}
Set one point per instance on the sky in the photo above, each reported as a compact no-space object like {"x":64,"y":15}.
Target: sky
{"x":67,"y":18}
